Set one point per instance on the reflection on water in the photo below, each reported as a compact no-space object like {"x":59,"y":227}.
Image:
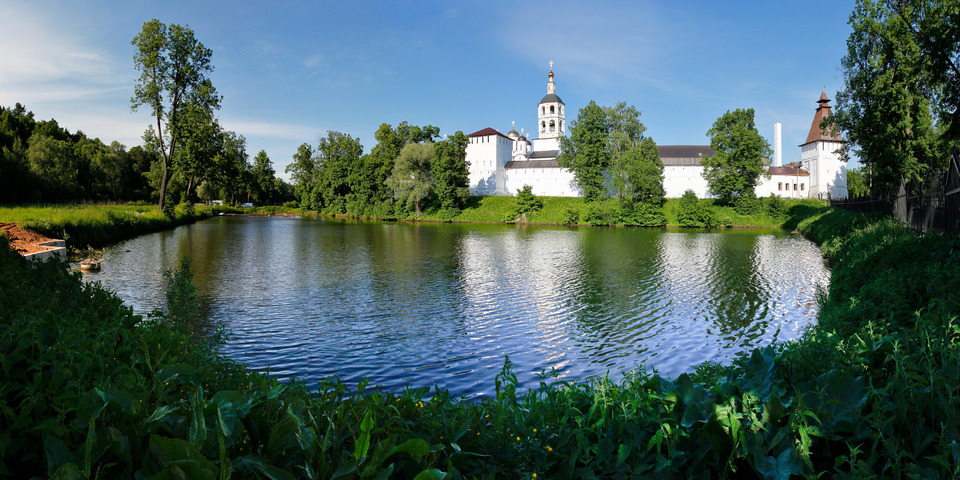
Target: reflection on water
{"x":423,"y":304}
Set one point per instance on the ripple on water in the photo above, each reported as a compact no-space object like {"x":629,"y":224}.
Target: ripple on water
{"x":418,"y":305}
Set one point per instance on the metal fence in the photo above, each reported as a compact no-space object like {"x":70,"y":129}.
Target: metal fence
{"x":930,"y":206}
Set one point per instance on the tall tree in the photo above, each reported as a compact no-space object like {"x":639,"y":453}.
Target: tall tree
{"x":451,"y":172}
{"x":587,"y":151}
{"x":737,"y":165}
{"x":336,"y":155}
{"x":303,"y":172}
{"x":885,"y":106}
{"x":174,"y":68}
{"x":264,"y":179}
{"x":233,"y":168}
{"x":412,"y":179}
{"x":625,"y":133}
{"x":199,"y":144}
{"x":644,"y":173}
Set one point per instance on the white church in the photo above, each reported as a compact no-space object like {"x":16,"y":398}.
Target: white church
{"x":503,"y":164}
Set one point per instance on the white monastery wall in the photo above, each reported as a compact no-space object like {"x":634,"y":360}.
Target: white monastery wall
{"x":679,"y":179}
{"x":550,"y":182}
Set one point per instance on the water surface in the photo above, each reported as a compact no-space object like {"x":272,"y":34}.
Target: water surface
{"x":422,"y":304}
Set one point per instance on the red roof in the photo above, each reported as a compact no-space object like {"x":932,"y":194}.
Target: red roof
{"x":823,"y":111}
{"x":488,"y":131}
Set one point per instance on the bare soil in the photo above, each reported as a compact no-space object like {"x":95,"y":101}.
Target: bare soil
{"x":23,"y":240}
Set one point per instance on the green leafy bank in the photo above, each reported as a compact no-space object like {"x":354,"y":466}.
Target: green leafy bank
{"x":91,"y":390}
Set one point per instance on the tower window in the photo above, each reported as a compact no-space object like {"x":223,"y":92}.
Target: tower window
{"x":543,"y":126}
{"x":543,"y":110}
{"x":553,"y":126}
{"x":551,"y":109}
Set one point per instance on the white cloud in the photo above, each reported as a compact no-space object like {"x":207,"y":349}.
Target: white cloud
{"x":35,"y":49}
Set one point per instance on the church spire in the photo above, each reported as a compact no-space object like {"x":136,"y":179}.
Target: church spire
{"x":551,"y":87}
{"x":550,"y":111}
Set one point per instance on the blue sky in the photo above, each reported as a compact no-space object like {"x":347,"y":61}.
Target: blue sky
{"x":289,"y":71}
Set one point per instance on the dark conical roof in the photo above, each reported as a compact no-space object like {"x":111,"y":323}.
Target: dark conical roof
{"x":550,"y":98}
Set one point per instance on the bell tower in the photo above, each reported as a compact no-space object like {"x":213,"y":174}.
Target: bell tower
{"x":550,"y":115}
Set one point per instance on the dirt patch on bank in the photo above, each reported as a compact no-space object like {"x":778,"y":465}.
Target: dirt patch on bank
{"x":23,"y":240}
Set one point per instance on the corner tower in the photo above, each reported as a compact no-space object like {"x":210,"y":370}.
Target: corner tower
{"x":820,"y":155}
{"x":550,"y":111}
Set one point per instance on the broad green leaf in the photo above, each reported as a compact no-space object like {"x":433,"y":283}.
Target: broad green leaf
{"x":431,"y":474}
{"x":622,"y":453}
{"x":67,"y":471}
{"x":56,"y":451}
{"x":363,"y":442}
{"x":780,"y":468}
{"x":258,"y":464}
{"x":416,"y":447}
{"x":177,"y":455}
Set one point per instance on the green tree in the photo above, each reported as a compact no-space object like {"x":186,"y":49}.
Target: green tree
{"x":644,"y":173}
{"x":587,"y":152}
{"x":174,"y":68}
{"x":737,"y":164}
{"x":412,"y":180}
{"x":232,"y":169}
{"x":451,"y":172}
{"x":264,"y":179}
{"x":885,"y":106}
{"x":857,"y":183}
{"x":199,"y":144}
{"x":625,"y":133}
{"x":303,"y":173}
{"x":934,"y":28}
{"x":53,"y":163}
{"x":337,"y":155}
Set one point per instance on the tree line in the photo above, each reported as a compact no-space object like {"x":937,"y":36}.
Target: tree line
{"x":408,"y":169}
{"x":40,"y":161}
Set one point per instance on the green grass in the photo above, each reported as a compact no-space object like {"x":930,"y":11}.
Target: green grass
{"x":557,"y":211}
{"x":97,"y":225}
{"x":91,"y":390}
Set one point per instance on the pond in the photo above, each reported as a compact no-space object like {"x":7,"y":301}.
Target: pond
{"x":414,"y":304}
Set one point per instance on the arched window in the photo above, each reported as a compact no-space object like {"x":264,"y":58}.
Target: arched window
{"x":543,"y":126}
{"x":551,"y":109}
{"x":553,"y":126}
{"x":543,"y":110}
{"x":561,"y":125}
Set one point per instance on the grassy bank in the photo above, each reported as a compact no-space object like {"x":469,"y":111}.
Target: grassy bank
{"x":90,"y":389}
{"x":573,"y":210}
{"x":98,"y":225}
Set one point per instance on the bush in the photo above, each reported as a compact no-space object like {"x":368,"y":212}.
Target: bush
{"x":600,"y":213}
{"x":747,"y":204}
{"x":775,"y":206}
{"x":571,"y":216}
{"x":693,"y":212}
{"x":526,"y":201}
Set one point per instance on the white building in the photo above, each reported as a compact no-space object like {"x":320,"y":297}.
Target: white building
{"x":503,"y":164}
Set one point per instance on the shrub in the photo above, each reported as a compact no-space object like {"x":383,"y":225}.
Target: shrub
{"x":775,"y":206}
{"x":693,"y":212}
{"x":526,"y":201}
{"x":571,"y":216}
{"x":747,"y":204}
